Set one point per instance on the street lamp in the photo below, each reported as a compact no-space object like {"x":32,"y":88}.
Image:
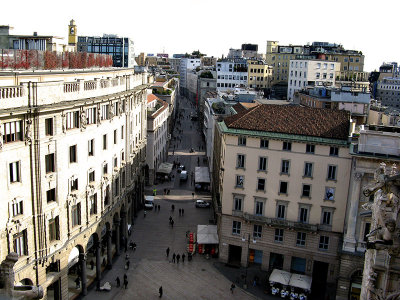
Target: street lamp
{"x":248,"y":254}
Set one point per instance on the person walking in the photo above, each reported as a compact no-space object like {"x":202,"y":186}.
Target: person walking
{"x":126,"y":283}
{"x":118,"y":281}
{"x":172,"y":223}
{"x":173,"y":257}
{"x":172,"y":207}
{"x":178,"y":257}
{"x":144,"y":214}
{"x":183,"y":211}
{"x":160,"y":291}
{"x":170,"y":219}
{"x":127,"y":265}
{"x":183,"y":257}
{"x":167,"y":252}
{"x":179,"y":212}
{"x":232,"y":287}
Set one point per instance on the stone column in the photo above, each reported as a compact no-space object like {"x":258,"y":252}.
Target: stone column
{"x":124,"y":226}
{"x":349,"y":241}
{"x":117,"y":238}
{"x":82,"y":259}
{"x":109,"y":250}
{"x":98,"y":263}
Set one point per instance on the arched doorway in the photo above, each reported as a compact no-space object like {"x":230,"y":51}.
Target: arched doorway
{"x":355,"y":285}
{"x":77,"y":281}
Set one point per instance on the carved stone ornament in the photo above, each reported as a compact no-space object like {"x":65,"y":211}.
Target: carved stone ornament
{"x":64,"y":122}
{"x":98,"y":115}
{"x":120,"y":108}
{"x":83,"y":120}
{"x":383,"y":246}
{"x":28,"y":132}
{"x":111,"y":111}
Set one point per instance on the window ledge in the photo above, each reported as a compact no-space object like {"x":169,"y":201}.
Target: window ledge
{"x":282,"y":194}
{"x":287,"y":174}
{"x":333,"y":180}
{"x":306,"y":197}
{"x":239,"y":187}
{"x":309,"y":177}
{"x":262,"y":171}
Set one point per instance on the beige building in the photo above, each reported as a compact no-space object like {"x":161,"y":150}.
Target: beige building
{"x":73,"y":147}
{"x":259,"y":74}
{"x":282,"y":176}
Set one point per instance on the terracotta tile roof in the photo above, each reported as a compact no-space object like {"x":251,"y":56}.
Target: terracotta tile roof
{"x":151,"y":98}
{"x":290,"y":119}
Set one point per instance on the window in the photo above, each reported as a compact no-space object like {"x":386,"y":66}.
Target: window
{"x":115,"y":162}
{"x":317,"y":75}
{"x":48,"y":124}
{"x":73,"y":184}
{"x":72,"y":120}
{"x":122,"y":132}
{"x":306,"y":191}
{"x":12,"y":132}
{"x":236,"y":226}
{"x":72,"y":154}
{"x":262,"y":163}
{"x":241,"y":141}
{"x":287,"y":146}
{"x":76,"y":214}
{"x":50,"y":163}
{"x":54,"y":229}
{"x":278,"y":235}
{"x":259,"y":208}
{"x":326,"y":217}
{"x":334,"y":151}
{"x":239,"y":180}
{"x":92,"y":176}
{"x":105,"y":168}
{"x":308,"y":169}
{"x":93,"y":204}
{"x":301,"y":239}
{"x":237,"y":203}
{"x":261,"y":184}
{"x":310,"y":149}
{"x":107,"y":196}
{"x":105,"y":112}
{"x":105,"y":142}
{"x":303,"y":214}
{"x":257,"y":231}
{"x":20,"y":244}
{"x":285,"y":167}
{"x":329,"y":193}
{"x":115,"y":137}
{"x":91,"y":147}
{"x":281,"y":211}
{"x":323,"y":242}
{"x":331,"y":172}
{"x":91,"y":116}
{"x":240,"y":161}
{"x":15,"y":172}
{"x":17,"y":207}
{"x":51,"y":195}
{"x":283,"y":187}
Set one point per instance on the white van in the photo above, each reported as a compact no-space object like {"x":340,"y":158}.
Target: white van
{"x":183,"y":176}
{"x":148,"y":202}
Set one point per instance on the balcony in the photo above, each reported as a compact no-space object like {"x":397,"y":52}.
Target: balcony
{"x":280,"y":223}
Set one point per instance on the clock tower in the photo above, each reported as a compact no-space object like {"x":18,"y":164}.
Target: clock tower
{"x":72,"y":36}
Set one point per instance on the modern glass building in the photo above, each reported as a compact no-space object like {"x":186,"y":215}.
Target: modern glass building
{"x":121,"y":48}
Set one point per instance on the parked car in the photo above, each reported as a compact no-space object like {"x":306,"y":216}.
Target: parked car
{"x":202,"y":203}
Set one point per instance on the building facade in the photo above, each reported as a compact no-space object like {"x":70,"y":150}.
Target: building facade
{"x":282,"y":189}
{"x":157,"y":135}
{"x":259,"y":74}
{"x":73,"y":152}
{"x":375,"y":145}
{"x":121,"y":48}
{"x":231,"y":73}
{"x":310,"y":72}
{"x":388,"y":91}
{"x":187,"y":65}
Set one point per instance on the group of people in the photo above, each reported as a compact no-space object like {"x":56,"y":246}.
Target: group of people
{"x":176,"y":257}
{"x":125,"y":281}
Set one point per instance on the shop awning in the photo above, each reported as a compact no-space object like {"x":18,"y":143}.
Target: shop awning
{"x":280,"y":276}
{"x":207,"y":234}
{"x":165,"y":168}
{"x":201,"y":175}
{"x":301,"y":281}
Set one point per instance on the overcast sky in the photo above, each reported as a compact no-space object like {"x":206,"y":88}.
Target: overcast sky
{"x":214,"y":26}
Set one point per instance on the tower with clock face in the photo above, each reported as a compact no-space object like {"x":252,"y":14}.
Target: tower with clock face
{"x":72,"y":35}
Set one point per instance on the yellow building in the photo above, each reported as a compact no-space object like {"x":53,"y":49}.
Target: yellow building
{"x":259,"y":74}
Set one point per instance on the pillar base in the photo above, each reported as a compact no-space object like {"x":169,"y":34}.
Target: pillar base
{"x":349,"y":245}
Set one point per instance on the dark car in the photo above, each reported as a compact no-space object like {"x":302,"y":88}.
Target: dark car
{"x":202,"y":203}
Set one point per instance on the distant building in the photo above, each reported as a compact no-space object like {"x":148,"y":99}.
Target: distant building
{"x":121,"y":48}
{"x":259,"y":74}
{"x":186,"y":65}
{"x":231,"y":73}
{"x":388,"y":91}
{"x":303,"y":72}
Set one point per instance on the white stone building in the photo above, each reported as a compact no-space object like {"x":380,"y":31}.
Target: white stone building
{"x":187,"y":64}
{"x":310,"y":72}
{"x":72,"y":145}
{"x":231,"y":73}
{"x":157,"y":134}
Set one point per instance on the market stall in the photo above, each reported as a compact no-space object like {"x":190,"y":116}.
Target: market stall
{"x":207,"y":239}
{"x":202,"y":179}
{"x":164,"y":171}
{"x":279,"y":281}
